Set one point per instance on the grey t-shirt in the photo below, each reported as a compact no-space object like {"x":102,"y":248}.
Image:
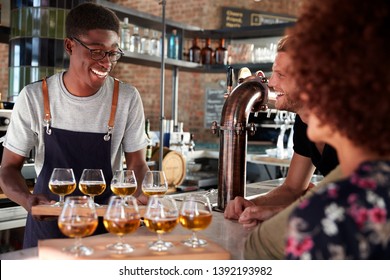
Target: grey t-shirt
{"x":82,"y":114}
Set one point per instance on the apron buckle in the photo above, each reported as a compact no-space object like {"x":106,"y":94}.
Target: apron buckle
{"x":107,"y":137}
{"x":46,"y":123}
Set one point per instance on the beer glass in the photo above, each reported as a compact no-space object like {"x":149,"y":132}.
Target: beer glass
{"x":161,"y":217}
{"x":154,"y":183}
{"x":92,"y":183}
{"x":123,"y":183}
{"x":62,"y":182}
{"x":78,"y":219}
{"x":195,"y":214}
{"x":121,"y":217}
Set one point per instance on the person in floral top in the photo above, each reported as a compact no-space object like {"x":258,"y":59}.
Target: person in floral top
{"x":341,"y":59}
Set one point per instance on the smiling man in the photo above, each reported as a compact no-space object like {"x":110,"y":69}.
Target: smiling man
{"x":306,"y":158}
{"x":80,"y":118}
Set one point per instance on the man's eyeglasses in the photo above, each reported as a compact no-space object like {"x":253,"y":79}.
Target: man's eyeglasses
{"x":97,"y":54}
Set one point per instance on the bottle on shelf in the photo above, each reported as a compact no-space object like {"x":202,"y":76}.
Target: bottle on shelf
{"x":145,"y":42}
{"x":135,"y":40}
{"x":194,"y":51}
{"x":221,"y":53}
{"x":149,"y":146}
{"x":206,"y":53}
{"x":154,"y":44}
{"x":173,"y":47}
{"x":125,"y":35}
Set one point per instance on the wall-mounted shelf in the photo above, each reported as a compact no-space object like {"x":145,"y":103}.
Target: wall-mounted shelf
{"x":188,"y":31}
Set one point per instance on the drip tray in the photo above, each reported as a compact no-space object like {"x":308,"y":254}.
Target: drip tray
{"x":198,"y":180}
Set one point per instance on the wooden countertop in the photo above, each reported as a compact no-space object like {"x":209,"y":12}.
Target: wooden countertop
{"x":228,"y":235}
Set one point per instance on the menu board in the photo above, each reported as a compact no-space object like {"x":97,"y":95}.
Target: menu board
{"x":213,"y":105}
{"x":236,"y":18}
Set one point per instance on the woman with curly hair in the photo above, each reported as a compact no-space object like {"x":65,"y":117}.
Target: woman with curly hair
{"x":340,"y":53}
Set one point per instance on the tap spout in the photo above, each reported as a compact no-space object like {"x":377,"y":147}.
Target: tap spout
{"x":249,"y":96}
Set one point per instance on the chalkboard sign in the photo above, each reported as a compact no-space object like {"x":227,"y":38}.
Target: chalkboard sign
{"x":213,"y":105}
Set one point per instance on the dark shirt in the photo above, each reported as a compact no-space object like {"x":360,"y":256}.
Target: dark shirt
{"x":304,"y":147}
{"x":348,"y":219}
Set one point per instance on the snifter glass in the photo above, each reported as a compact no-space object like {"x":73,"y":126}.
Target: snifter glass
{"x":62,"y":182}
{"x":161,"y":216}
{"x":154,"y":183}
{"x":195,"y":214}
{"x":124,"y":183}
{"x":122,"y":217}
{"x":78,"y":219}
{"x":92,"y":183}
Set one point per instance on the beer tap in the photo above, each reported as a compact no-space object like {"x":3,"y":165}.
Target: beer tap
{"x":249,"y":95}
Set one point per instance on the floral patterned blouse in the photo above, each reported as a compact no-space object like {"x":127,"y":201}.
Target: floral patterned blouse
{"x":349,"y":219}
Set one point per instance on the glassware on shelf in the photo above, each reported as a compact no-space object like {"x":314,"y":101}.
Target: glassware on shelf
{"x":135,"y":40}
{"x":122,"y":217}
{"x":161,"y":217}
{"x":154,"y":183}
{"x":92,"y":183}
{"x":154,"y":44}
{"x":196,"y":215}
{"x":62,"y":182}
{"x":145,"y":42}
{"x":125,"y":35}
{"x":78,"y":219}
{"x":123,"y":183}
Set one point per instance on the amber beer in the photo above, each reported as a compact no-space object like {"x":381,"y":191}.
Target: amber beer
{"x":78,"y":228}
{"x":122,"y":226}
{"x":123,"y":189}
{"x":161,"y":225}
{"x":154,"y":192}
{"x":195,"y":222}
{"x":62,"y":188}
{"x":92,"y":188}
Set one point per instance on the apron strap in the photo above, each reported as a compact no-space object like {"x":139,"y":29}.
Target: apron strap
{"x":114,"y":105}
{"x":46,"y":104}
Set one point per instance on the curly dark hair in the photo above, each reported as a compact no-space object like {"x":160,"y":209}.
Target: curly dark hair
{"x":341,"y":55}
{"x":88,"y":16}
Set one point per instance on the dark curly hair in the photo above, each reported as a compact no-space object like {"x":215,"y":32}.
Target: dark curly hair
{"x":341,"y":55}
{"x":88,"y":16}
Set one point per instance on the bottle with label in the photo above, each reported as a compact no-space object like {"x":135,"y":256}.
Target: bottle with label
{"x":145,"y":42}
{"x":173,"y":47}
{"x":125,"y":35}
{"x":135,"y":40}
{"x":149,"y":146}
{"x":206,"y":53}
{"x":194,"y":51}
{"x":221,"y":53}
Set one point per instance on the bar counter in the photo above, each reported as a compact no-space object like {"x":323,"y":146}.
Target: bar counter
{"x":230,"y":235}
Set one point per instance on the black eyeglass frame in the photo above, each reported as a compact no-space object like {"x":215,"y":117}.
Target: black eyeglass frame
{"x":111,"y":54}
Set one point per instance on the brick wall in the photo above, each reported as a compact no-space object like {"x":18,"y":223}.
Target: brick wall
{"x":4,"y":70}
{"x":202,"y":13}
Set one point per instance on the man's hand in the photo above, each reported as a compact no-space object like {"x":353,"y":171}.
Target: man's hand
{"x":235,"y":207}
{"x":40,"y":199}
{"x":253,"y":215}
